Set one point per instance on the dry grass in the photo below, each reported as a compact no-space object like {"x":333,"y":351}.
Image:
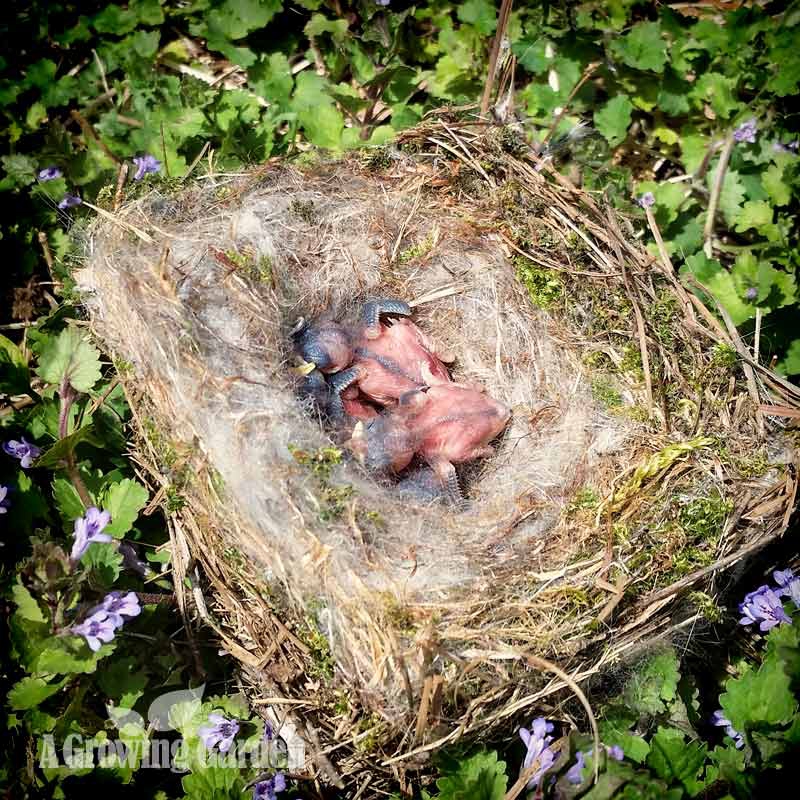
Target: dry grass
{"x":638,"y":463}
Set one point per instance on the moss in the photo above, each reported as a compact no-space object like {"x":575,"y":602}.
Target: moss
{"x":397,"y":614}
{"x":724,"y":357}
{"x":543,"y":285}
{"x":703,"y":518}
{"x":707,"y":606}
{"x":259,"y":271}
{"x":321,"y":462}
{"x":333,"y":498}
{"x":175,"y":500}
{"x":418,"y":250}
{"x":604,"y":392}
{"x":597,"y":359}
{"x":512,"y":140}
{"x":632,"y":361}
{"x":662,"y":314}
{"x":585,"y":498}
{"x":377,"y":159}
{"x":320,"y":650}
{"x":243,"y":261}
{"x":374,"y":724}
{"x":303,"y":209}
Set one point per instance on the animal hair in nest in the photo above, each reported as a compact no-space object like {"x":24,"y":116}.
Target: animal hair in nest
{"x":199,"y":292}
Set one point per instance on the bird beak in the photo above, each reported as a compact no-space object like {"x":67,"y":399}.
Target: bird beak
{"x":304,"y":368}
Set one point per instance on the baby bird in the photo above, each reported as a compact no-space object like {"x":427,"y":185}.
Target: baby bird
{"x":445,"y":424}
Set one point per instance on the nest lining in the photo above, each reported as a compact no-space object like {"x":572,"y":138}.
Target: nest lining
{"x":201,"y":305}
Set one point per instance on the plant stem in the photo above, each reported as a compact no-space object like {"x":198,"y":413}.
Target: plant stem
{"x":716,"y":190}
{"x":68,"y":395}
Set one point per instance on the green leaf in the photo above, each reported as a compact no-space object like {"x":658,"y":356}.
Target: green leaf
{"x":316,"y":113}
{"x":65,"y":655}
{"x":27,"y":607}
{"x":759,"y":698}
{"x":790,"y":364}
{"x":14,"y":375}
{"x":319,"y":24}
{"x":693,"y":150}
{"x":148,"y":12}
{"x":123,"y":680}
{"x":71,"y":357}
{"x":653,"y":686}
{"x":124,"y":501}
{"x":29,"y":692}
{"x":718,"y":91}
{"x":673,"y":96}
{"x":754,"y":214}
{"x":116,"y":20}
{"x":732,"y":194}
{"x":68,"y":502}
{"x":710,"y":273}
{"x":615,"y":730}
{"x":20,"y":171}
{"x":56,"y":454}
{"x":530,"y":54}
{"x":480,"y":13}
{"x":234,"y":19}
{"x":613,"y":119}
{"x":479,"y":777}
{"x":773,"y":182}
{"x":642,"y":48}
{"x":215,"y":783}
{"x":676,"y":760}
{"x":104,"y":561}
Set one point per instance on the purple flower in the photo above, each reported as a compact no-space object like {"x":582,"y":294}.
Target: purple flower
{"x":4,"y":502}
{"x":574,"y":772}
{"x":615,"y":752}
{"x":721,"y":721}
{"x":789,"y":147}
{"x":119,"y":607}
{"x":88,"y":529}
{"x":266,"y":790}
{"x":751,"y":293}
{"x":96,"y":629}
{"x":793,"y":591}
{"x":69,"y":201}
{"x":131,"y":560}
{"x":383,"y":3}
{"x":647,"y":200}
{"x":49,"y":174}
{"x":762,"y":606}
{"x":221,"y":732}
{"x":269,"y":733}
{"x":24,"y":451}
{"x":783,"y":577}
{"x":746,"y":132}
{"x":538,"y":752}
{"x":145,"y":164}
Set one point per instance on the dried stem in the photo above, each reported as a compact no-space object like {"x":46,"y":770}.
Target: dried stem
{"x":502,"y":25}
{"x":68,"y":395}
{"x":716,"y":190}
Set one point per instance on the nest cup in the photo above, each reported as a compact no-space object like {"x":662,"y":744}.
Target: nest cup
{"x":636,"y":466}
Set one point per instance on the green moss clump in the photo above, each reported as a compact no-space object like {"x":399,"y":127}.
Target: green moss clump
{"x":512,"y":140}
{"x":543,"y":285}
{"x":707,"y":606}
{"x":632,"y":361}
{"x":604,"y":392}
{"x":418,"y":250}
{"x":303,"y":209}
{"x":703,"y":518}
{"x":322,"y":659}
{"x":724,"y":356}
{"x":661,"y":315}
{"x":398,"y":615}
{"x":586,"y":498}
{"x":377,"y":159}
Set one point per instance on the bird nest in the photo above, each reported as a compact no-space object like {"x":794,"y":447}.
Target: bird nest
{"x":646,"y":450}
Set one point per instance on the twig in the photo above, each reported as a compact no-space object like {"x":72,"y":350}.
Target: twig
{"x":164,"y":151}
{"x":757,"y":335}
{"x":89,"y":131}
{"x":113,"y":218}
{"x":196,"y":160}
{"x":68,"y":395}
{"x":716,"y":190}
{"x":102,"y":70}
{"x":47,"y":253}
{"x":587,"y":73}
{"x":502,"y":24}
{"x":121,"y":176}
